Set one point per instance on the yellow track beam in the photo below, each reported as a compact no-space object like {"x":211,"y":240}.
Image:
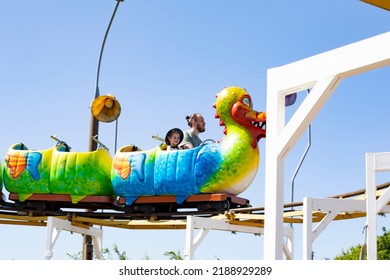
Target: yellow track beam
{"x":384,"y":4}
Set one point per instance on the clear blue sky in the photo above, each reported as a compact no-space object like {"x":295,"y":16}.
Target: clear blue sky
{"x":165,"y":59}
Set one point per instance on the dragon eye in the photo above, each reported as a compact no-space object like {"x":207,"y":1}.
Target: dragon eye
{"x":246,"y":101}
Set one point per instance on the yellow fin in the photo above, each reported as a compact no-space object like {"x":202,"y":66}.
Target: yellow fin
{"x":24,"y":196}
{"x":76,"y":198}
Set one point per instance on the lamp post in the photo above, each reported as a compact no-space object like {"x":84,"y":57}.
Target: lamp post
{"x":94,"y":129}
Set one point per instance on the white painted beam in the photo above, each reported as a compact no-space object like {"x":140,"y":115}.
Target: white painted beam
{"x":54,"y":228}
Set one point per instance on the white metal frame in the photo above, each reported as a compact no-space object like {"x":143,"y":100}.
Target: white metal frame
{"x":321,"y":73}
{"x":54,"y":227}
{"x":333,"y":207}
{"x":375,"y":162}
{"x":207,"y":224}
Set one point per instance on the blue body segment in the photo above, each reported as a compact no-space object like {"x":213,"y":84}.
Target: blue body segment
{"x":179,"y":172}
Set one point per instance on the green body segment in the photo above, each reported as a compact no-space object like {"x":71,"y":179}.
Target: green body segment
{"x":52,"y":171}
{"x":81,"y":174}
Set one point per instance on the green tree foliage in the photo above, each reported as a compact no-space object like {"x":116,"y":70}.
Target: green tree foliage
{"x":174,"y":255}
{"x":116,"y":254}
{"x":106,"y":254}
{"x":355,"y":252}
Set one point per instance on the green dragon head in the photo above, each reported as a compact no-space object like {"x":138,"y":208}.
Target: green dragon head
{"x":234,"y":107}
